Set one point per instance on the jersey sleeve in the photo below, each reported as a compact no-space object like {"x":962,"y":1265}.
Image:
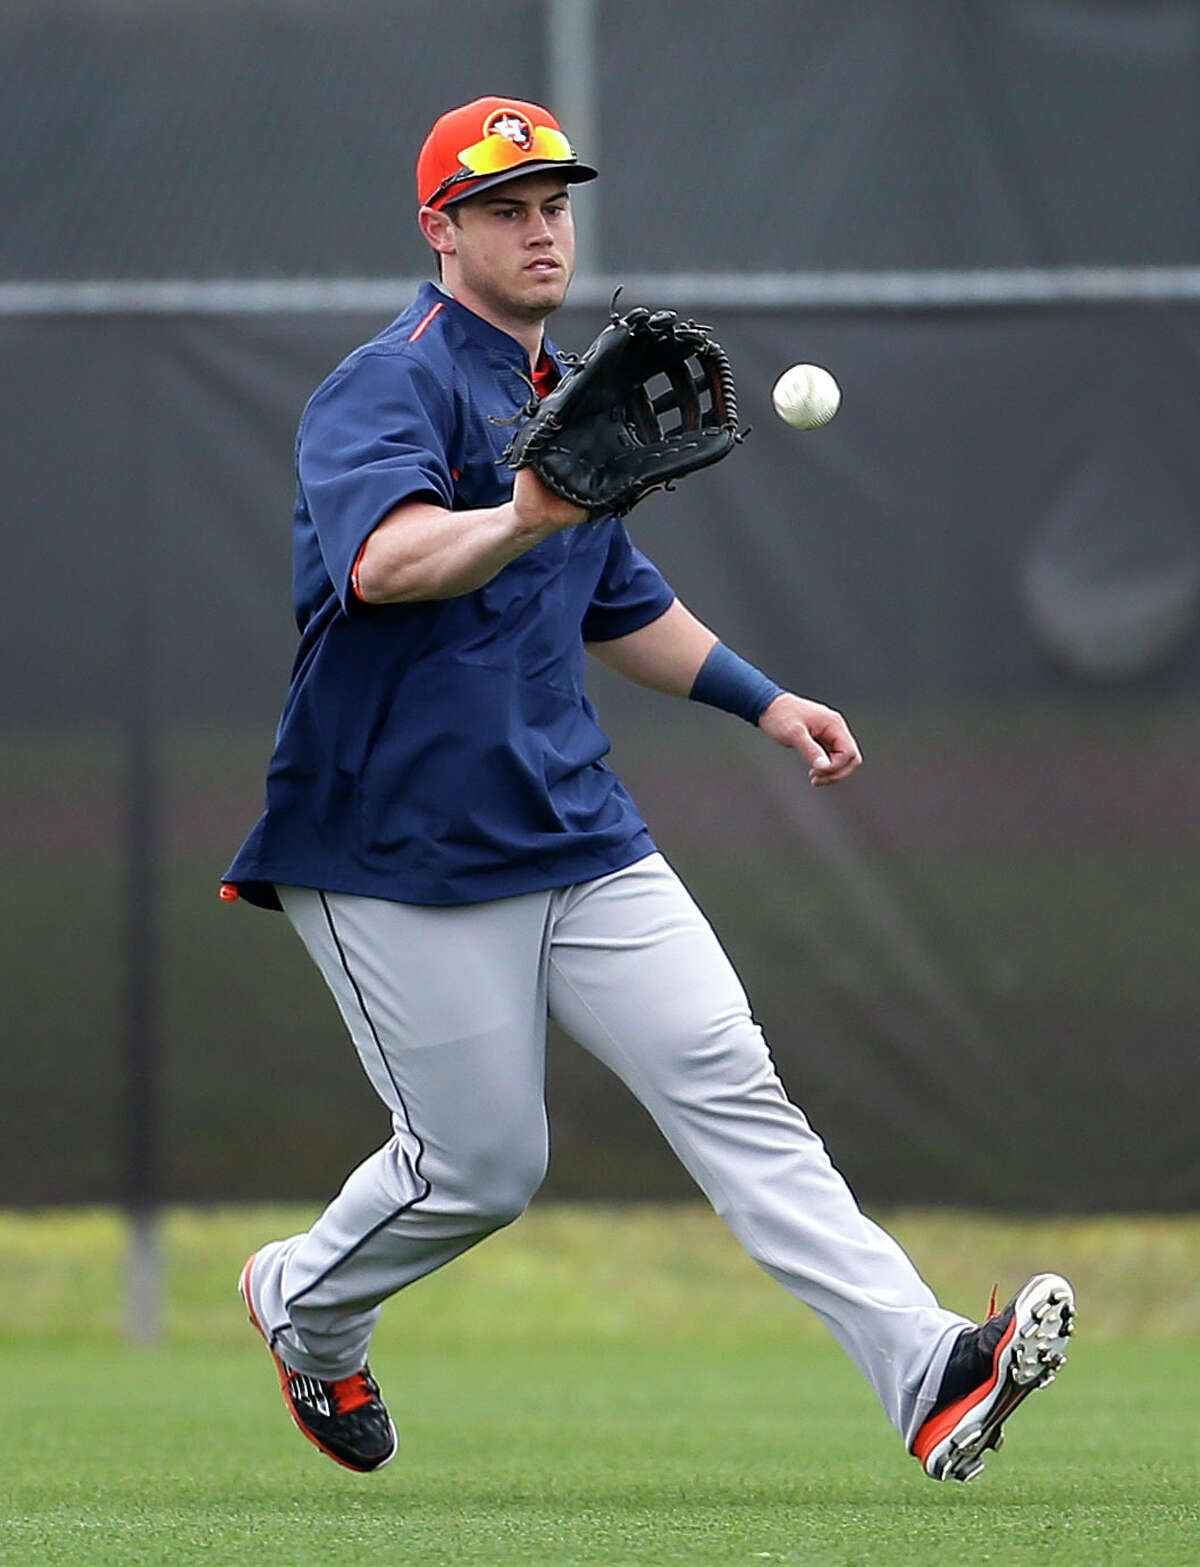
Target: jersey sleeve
{"x":630,"y":594}
{"x":373,"y":435}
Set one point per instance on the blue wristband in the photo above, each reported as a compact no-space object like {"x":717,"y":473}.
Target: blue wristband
{"x":730,"y":683}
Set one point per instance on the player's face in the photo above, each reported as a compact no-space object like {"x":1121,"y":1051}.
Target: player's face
{"x":514,"y":250}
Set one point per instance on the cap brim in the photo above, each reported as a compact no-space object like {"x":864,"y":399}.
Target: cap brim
{"x":571,"y":173}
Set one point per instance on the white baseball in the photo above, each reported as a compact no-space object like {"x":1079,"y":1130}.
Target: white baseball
{"x":806,"y":397}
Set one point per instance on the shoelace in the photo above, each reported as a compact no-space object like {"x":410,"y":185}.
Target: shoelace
{"x":992,"y":1302}
{"x":351,"y":1392}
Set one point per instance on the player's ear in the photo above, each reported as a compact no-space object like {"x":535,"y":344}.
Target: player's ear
{"x":438,"y":229}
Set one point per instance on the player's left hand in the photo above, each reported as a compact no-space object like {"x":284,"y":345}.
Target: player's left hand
{"x":821,"y":735}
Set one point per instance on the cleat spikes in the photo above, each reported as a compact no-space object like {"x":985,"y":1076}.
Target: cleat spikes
{"x":991,"y":1370}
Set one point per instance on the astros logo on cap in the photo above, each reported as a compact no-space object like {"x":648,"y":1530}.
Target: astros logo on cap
{"x":507,"y":122}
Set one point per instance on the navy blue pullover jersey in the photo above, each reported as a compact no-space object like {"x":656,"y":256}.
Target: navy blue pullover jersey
{"x":441,"y":752}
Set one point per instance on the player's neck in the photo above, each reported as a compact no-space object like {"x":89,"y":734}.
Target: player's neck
{"x":528,"y":333}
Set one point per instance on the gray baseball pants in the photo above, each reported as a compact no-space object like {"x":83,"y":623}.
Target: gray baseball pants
{"x":447,"y":1008}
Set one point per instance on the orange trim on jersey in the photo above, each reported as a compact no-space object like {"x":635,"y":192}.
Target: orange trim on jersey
{"x":354,"y":587}
{"x":421,"y":325}
{"x":545,"y":375}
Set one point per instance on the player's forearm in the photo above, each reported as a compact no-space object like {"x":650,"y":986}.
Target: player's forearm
{"x":421,"y":551}
{"x":666,"y":655}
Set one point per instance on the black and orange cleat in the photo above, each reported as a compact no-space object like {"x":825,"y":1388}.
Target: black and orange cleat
{"x":346,"y":1418}
{"x":991,"y":1369}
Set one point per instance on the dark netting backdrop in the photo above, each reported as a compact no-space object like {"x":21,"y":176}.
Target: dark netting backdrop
{"x":976,"y":961}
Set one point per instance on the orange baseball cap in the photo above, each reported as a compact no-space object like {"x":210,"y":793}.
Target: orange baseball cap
{"x":487,"y":142}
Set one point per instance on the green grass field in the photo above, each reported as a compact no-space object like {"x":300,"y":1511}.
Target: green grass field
{"x":601,"y":1386}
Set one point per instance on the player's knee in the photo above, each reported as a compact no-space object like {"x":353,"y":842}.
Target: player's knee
{"x":513,"y":1186}
{"x":501,"y":1178}
{"x":504,"y":1205}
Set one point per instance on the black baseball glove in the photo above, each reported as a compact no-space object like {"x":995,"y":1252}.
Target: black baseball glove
{"x":650,"y":400}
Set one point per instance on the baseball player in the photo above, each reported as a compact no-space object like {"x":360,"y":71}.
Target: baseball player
{"x":444,"y":834}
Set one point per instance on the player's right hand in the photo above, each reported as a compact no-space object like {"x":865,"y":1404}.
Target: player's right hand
{"x":538,"y":507}
{"x":821,"y":736}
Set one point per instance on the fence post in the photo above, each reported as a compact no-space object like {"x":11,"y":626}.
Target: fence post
{"x":142,"y":816}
